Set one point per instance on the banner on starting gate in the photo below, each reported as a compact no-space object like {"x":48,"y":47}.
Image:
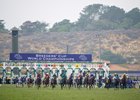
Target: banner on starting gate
{"x":51,"y":57}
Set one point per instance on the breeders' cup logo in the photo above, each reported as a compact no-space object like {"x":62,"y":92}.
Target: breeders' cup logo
{"x":18,"y":56}
{"x":83,"y":57}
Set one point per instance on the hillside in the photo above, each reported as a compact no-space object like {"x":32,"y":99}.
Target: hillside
{"x":122,"y":42}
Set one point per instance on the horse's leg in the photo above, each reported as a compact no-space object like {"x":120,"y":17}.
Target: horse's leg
{"x":53,"y":86}
{"x":78,"y":85}
{"x":87,"y":85}
{"x":38,"y":87}
{"x":22,"y":84}
{"x":28,"y":85}
{"x":45,"y":84}
{"x":69,"y":84}
{"x":61,"y":86}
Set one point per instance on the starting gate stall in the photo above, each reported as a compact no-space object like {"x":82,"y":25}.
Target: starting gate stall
{"x":69,"y":70}
{"x":101,"y":72}
{"x":55,"y":70}
{"x":62,"y":67}
{"x":39,"y":70}
{"x":15,"y":72}
{"x":77,"y":69}
{"x":93,"y":71}
{"x":1,"y":70}
{"x":31,"y":71}
{"x":24,"y":71}
{"x":8,"y":77}
{"x":1,"y":74}
{"x":85,"y":68}
{"x":47,"y":69}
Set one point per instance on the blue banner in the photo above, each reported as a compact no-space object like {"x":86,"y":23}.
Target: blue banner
{"x":51,"y":57}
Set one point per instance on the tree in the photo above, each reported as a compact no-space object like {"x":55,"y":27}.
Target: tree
{"x":134,"y":14}
{"x":126,"y":23}
{"x":102,"y":25}
{"x":2,"y":27}
{"x":137,"y":26}
{"x":113,"y":58}
{"x":33,"y":27}
{"x":113,"y":14}
{"x":89,"y":14}
{"x":100,"y":17}
{"x":63,"y":26}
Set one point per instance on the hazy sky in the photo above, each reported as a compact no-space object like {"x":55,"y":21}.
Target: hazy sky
{"x":15,"y":12}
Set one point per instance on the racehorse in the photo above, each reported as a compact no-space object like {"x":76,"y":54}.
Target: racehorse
{"x":100,"y":84}
{"x":86,"y":81}
{"x":123,"y":81}
{"x":110,"y":82}
{"x":106,"y":80}
{"x":79,"y":81}
{"x":23,"y":81}
{"x":116,"y":81}
{"x":46,"y":81}
{"x":30,"y":82}
{"x":91,"y":81}
{"x":63,"y":82}
{"x":70,"y":81}
{"x":54,"y":81}
{"x":38,"y":82}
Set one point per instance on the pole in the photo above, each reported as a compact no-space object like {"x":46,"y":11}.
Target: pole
{"x":99,"y":48}
{"x":14,"y":40}
{"x":99,"y":41}
{"x":67,"y":49}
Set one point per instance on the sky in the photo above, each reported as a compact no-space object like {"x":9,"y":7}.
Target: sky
{"x":15,"y":12}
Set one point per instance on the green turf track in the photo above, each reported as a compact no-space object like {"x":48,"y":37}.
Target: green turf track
{"x":10,"y":92}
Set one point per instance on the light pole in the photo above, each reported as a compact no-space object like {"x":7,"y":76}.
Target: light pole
{"x":67,"y":48}
{"x":99,"y":37}
{"x":14,"y":40}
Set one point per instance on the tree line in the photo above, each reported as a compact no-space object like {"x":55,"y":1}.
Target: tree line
{"x":94,"y":17}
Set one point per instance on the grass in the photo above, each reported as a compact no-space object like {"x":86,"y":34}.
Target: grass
{"x":10,"y":92}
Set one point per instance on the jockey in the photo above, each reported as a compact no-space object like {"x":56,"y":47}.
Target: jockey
{"x":71,"y":76}
{"x":84,"y":74}
{"x":91,"y":74}
{"x":30,"y":76}
{"x":109,"y":76}
{"x":17,"y":81}
{"x":63,"y":74}
{"x":87,"y":75}
{"x":47,"y":75}
{"x":54,"y":76}
{"x":116,"y":76}
{"x":38,"y":75}
{"x":80,"y":75}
